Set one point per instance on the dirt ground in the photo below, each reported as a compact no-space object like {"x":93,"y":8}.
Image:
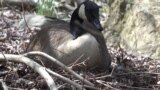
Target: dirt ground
{"x":128,"y":72}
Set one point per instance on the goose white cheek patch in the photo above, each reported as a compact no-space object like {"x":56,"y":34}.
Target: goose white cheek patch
{"x":81,"y":12}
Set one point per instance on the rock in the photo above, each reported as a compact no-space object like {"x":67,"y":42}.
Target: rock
{"x":135,"y":26}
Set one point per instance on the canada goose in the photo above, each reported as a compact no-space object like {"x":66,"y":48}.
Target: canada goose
{"x":56,"y":39}
{"x":86,"y":11}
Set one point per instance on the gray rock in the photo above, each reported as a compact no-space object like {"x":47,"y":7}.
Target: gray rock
{"x":135,"y":26}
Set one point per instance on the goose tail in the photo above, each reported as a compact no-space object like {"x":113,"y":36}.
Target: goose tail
{"x":32,"y":20}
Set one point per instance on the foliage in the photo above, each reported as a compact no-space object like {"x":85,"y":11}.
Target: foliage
{"x":47,"y":7}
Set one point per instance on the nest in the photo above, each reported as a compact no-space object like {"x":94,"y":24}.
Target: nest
{"x":128,"y":72}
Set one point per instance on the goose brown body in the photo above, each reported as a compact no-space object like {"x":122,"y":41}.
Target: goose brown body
{"x":56,"y":40}
{"x":69,"y":41}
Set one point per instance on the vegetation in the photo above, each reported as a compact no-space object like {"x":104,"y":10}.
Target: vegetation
{"x":47,"y":7}
{"x":129,"y":72}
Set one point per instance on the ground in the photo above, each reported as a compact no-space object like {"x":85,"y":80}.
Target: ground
{"x":128,"y":72}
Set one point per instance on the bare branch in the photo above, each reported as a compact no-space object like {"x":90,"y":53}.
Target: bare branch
{"x":18,"y":2}
{"x":60,"y":64}
{"x":38,"y":68}
{"x":67,"y":6}
{"x":65,"y":79}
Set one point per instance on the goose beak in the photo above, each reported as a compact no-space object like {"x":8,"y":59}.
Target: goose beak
{"x":97,"y":24}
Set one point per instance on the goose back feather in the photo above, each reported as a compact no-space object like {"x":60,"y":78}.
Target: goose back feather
{"x":56,"y":40}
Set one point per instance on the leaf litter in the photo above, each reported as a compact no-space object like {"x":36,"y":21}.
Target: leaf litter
{"x":128,"y":72}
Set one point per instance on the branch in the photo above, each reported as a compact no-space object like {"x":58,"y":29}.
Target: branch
{"x":80,"y":87}
{"x":38,"y":68}
{"x":67,"y":6}
{"x":18,"y":2}
{"x":65,"y":79}
{"x":59,"y":64}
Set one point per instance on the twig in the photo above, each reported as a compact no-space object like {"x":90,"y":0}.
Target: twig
{"x":109,"y":86}
{"x":91,"y":87}
{"x":137,"y":73}
{"x":3,"y":73}
{"x":105,"y":76}
{"x":38,"y":68}
{"x":3,"y":85}
{"x":59,"y":64}
{"x":66,"y":5}
{"x":134,"y":88}
{"x":18,"y":2}
{"x":79,"y":64}
{"x":24,"y":17}
{"x":70,"y":82}
{"x":72,"y":64}
{"x":65,"y":79}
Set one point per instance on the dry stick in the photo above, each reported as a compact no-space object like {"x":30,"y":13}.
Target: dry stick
{"x":72,"y":64}
{"x":60,"y":64}
{"x":18,"y":2}
{"x":91,"y":87}
{"x":65,"y":79}
{"x":105,"y":76}
{"x":67,"y":6}
{"x":80,"y":64}
{"x":133,"y":88}
{"x":3,"y":85}
{"x":109,"y":86}
{"x":24,"y":16}
{"x":38,"y":68}
{"x":138,"y":73}
{"x":80,"y":87}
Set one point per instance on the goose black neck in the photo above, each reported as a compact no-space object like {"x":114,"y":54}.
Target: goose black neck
{"x":75,"y":17}
{"x":75,"y":30}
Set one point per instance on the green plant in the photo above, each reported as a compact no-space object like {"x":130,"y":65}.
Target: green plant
{"x":47,"y":8}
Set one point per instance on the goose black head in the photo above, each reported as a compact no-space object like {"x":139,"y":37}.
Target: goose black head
{"x":86,"y":11}
{"x":90,"y":11}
